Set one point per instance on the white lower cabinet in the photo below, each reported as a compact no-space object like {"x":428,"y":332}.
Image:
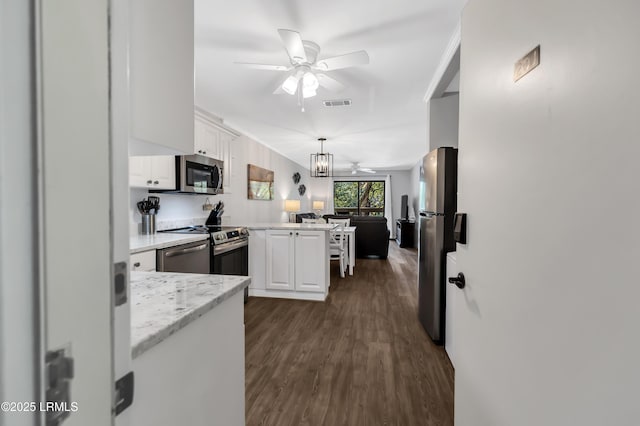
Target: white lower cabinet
{"x":257,"y":259}
{"x":309,"y":270}
{"x":280,"y":260}
{"x":196,"y":375}
{"x":153,"y":172}
{"x":297,"y":261}
{"x":144,"y":261}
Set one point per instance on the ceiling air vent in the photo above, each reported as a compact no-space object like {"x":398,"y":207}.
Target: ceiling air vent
{"x":337,"y":102}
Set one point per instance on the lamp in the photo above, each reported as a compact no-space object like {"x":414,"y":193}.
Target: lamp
{"x":321,"y":162}
{"x":318,"y":206}
{"x":292,"y":206}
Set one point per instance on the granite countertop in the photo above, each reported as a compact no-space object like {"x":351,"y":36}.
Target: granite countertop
{"x":140,"y":243}
{"x":164,"y":302}
{"x":297,"y":226}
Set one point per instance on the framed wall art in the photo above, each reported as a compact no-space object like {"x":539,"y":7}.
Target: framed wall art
{"x":260,"y":183}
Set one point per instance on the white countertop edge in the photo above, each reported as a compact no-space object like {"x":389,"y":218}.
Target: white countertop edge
{"x":141,"y":243}
{"x":297,"y":226}
{"x":148,"y":341}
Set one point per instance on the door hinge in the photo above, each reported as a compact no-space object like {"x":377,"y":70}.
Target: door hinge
{"x":59,"y":373}
{"x":120,"y":283}
{"x":124,"y":392}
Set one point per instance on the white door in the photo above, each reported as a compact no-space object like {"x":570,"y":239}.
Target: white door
{"x":19,"y":324}
{"x":452,"y":295}
{"x":280,"y":260}
{"x":547,"y":327}
{"x":75,"y":204}
{"x":309,"y":263}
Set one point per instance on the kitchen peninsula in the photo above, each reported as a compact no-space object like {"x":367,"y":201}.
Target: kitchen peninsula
{"x":289,"y":260}
{"x":193,"y":323}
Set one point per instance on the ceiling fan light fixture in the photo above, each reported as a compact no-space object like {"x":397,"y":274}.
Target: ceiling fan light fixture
{"x":308,"y":92}
{"x":290,"y":85}
{"x":310,"y":84}
{"x":310,"y":81}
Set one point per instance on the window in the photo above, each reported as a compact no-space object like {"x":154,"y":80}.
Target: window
{"x":365,"y":198}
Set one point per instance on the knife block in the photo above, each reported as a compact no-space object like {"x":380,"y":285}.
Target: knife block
{"x":216,"y":221}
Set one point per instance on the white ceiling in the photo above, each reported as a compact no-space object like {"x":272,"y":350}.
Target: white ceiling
{"x":385,"y":127}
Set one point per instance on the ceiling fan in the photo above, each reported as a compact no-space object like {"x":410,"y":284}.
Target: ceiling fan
{"x":306,"y":72}
{"x":355,"y":168}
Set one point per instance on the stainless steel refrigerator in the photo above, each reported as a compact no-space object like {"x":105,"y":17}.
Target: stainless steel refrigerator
{"x":438,"y":186}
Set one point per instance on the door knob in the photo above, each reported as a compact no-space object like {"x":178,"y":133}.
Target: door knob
{"x":458,"y":281}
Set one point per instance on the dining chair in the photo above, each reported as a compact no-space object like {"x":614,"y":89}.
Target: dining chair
{"x":343,"y":222}
{"x":337,"y":247}
{"x":344,"y":236}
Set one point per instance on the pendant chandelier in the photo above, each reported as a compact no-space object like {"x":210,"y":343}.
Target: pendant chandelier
{"x":321,"y":162}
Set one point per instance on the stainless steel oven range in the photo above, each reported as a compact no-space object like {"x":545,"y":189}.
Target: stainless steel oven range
{"x":229,"y":248}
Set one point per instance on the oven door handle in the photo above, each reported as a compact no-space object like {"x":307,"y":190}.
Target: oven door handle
{"x":185,"y":251}
{"x":227,"y":247}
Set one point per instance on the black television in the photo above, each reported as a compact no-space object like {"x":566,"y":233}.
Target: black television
{"x":404,"y":209}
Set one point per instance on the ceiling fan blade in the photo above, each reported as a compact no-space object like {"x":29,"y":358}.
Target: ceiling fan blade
{"x":367,"y":170}
{"x":330,"y":83}
{"x":263,"y":66}
{"x":293,"y":44}
{"x":354,"y":171}
{"x":343,"y":61}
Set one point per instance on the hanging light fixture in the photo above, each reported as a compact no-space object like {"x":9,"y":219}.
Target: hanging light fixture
{"x":321,"y":162}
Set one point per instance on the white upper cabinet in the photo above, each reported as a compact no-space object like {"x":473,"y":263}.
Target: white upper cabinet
{"x":207,"y":139}
{"x":215,"y":141}
{"x":153,"y":172}
{"x":161,"y":76}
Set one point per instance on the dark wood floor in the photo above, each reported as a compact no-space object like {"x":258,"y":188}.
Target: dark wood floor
{"x":360,"y":358}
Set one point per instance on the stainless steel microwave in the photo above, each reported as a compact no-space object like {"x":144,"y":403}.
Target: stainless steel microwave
{"x":198,"y":174}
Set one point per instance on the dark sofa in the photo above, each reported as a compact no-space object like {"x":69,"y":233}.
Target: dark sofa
{"x":372,"y":235}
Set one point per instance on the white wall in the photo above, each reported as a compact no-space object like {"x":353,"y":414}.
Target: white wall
{"x":443,"y":121}
{"x":239,"y":210}
{"x":549,"y":177}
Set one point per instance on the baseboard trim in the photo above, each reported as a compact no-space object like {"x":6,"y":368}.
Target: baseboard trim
{"x":281,"y":294}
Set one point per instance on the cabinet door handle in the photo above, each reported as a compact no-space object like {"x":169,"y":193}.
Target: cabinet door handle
{"x":204,"y":152}
{"x":149,"y":182}
{"x":290,"y":233}
{"x":155,"y":182}
{"x":297,"y":234}
{"x":136,"y":265}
